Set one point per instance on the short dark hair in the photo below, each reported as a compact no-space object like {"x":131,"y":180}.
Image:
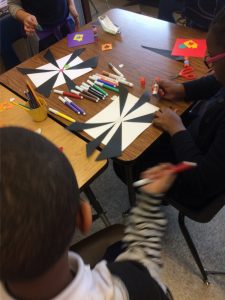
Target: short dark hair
{"x":39,"y":203}
{"x":217,"y":27}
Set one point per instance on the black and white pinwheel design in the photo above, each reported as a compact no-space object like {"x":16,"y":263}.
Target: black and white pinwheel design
{"x":119,"y":124}
{"x":58,"y":72}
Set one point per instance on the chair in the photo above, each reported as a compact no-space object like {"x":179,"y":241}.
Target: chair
{"x":203,"y":215}
{"x":93,"y":248}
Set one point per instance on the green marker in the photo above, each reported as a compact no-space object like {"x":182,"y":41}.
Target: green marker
{"x":39,"y":28}
{"x":97,"y":87}
{"x":107,"y":86}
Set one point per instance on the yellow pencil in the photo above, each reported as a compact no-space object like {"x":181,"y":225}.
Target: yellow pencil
{"x":19,"y":105}
{"x":56,"y":112}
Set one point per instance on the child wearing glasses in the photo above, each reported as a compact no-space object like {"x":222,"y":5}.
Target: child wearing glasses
{"x":203,"y":139}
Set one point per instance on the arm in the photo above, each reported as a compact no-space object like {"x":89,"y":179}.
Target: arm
{"x":202,"y":88}
{"x":74,"y":13}
{"x":207,"y":179}
{"x":17,"y":11}
{"x":199,"y":89}
{"x":141,"y":261}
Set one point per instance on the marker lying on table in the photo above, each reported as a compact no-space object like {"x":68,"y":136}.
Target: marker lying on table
{"x":68,"y":94}
{"x":107,"y":86}
{"x":57,"y":113}
{"x":183,"y":166}
{"x":80,"y":91}
{"x":67,"y":103}
{"x":97,"y":87}
{"x":75,"y":106}
{"x":115,"y":70}
{"x":92,"y":90}
{"x":113,"y":75}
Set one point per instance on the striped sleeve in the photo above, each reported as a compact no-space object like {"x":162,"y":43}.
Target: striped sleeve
{"x":14,"y":6}
{"x":145,"y":228}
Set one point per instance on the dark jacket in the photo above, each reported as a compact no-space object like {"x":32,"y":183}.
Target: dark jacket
{"x":48,"y":12}
{"x":199,"y":185}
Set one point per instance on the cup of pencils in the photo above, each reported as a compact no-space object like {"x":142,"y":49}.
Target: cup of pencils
{"x":37,"y":105}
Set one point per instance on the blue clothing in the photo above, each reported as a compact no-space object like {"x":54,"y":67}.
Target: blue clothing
{"x":49,"y":13}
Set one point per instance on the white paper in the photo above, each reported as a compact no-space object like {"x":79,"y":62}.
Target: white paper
{"x":39,"y":78}
{"x":111,"y":114}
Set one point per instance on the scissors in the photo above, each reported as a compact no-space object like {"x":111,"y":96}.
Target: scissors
{"x":187,"y":73}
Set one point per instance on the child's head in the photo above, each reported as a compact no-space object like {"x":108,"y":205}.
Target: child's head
{"x":39,"y":202}
{"x":216,"y":44}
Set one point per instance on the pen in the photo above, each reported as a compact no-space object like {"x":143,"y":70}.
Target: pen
{"x":68,"y":94}
{"x":185,"y":165}
{"x":113,"y":75}
{"x":107,"y":79}
{"x":97,"y":87}
{"x":19,"y":104}
{"x":64,"y":101}
{"x":107,"y":86}
{"x":85,"y":96}
{"x":115,"y":70}
{"x":92,"y":91}
{"x":56,"y":112}
{"x":75,"y":106}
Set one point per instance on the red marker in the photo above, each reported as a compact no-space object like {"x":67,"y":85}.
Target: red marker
{"x":183,"y":166}
{"x":68,"y":94}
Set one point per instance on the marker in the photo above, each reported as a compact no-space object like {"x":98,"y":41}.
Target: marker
{"x":125,"y":82}
{"x":185,"y":165}
{"x":85,"y":96}
{"x":107,"y":79}
{"x":92,"y":91}
{"x":19,"y":104}
{"x":113,"y":75}
{"x":33,"y":95}
{"x":83,"y":91}
{"x":75,"y":106}
{"x":107,"y":86}
{"x":68,"y":94}
{"x":56,"y":112}
{"x":64,"y":101}
{"x":115,"y":70}
{"x":97,"y":87}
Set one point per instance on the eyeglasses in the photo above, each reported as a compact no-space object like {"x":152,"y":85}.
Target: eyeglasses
{"x":210,"y":60}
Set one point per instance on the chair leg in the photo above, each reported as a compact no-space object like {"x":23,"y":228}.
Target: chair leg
{"x":192,"y":247}
{"x":96,"y":205}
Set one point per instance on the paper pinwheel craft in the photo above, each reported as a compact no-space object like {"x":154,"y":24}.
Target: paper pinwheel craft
{"x":119,"y":124}
{"x":58,"y":72}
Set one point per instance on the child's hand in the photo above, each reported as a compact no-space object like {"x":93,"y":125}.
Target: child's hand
{"x":168,"y":120}
{"x":162,"y":178}
{"x":30,"y":23}
{"x":170,"y":90}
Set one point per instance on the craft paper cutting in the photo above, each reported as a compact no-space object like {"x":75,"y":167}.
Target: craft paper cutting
{"x":80,"y":38}
{"x":58,"y":72}
{"x":119,"y":124}
{"x":190,"y":47}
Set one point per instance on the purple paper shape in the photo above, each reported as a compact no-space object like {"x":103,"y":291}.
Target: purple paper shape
{"x":82,"y":38}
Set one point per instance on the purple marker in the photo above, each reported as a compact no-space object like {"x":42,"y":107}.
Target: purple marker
{"x":75,"y":106}
{"x":69,"y":105}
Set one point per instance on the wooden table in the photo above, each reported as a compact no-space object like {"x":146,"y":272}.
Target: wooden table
{"x":85,"y":168}
{"x":136,"y":30}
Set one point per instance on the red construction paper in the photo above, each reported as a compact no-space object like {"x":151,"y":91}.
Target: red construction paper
{"x":189,"y":47}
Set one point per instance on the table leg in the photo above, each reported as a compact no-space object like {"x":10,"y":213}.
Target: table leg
{"x":129,"y":180}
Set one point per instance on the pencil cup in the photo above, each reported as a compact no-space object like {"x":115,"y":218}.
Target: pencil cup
{"x":39,"y":114}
